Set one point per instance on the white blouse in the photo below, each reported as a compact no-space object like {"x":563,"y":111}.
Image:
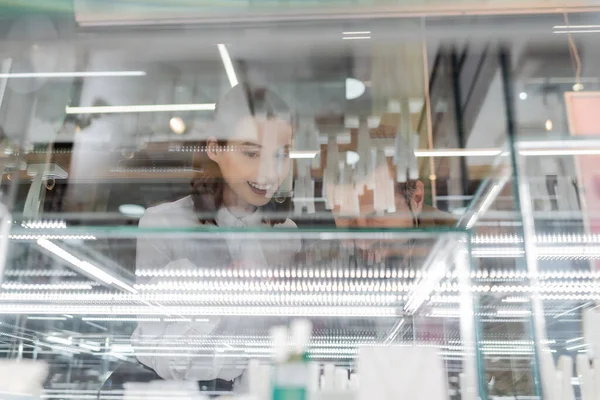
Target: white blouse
{"x":179,"y":253}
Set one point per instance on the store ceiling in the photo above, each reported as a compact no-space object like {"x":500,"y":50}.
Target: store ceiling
{"x":120,"y":12}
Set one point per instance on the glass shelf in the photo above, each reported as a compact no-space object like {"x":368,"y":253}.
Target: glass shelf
{"x":83,"y":305}
{"x":557,"y":189}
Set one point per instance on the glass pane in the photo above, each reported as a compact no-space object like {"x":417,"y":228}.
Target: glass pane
{"x":176,"y":193}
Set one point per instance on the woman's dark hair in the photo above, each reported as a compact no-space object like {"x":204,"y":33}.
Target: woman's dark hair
{"x":242,"y":101}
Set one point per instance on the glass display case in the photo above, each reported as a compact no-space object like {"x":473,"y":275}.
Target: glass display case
{"x":173,"y":195}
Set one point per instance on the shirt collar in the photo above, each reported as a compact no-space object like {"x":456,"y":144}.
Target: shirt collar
{"x":225,"y":218}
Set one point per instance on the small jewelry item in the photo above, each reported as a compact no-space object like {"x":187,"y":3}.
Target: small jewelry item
{"x":279,"y":199}
{"x":50,"y":183}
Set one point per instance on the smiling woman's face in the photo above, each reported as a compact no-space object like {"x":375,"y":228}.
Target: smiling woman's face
{"x":256,"y":160}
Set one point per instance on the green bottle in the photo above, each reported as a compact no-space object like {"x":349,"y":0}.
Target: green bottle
{"x":290,"y":375}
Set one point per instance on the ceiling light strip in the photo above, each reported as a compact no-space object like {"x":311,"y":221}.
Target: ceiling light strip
{"x":575,"y":26}
{"x":578,"y":31}
{"x":140,"y":108}
{"x":82,"y":74}
{"x":459,"y":153}
{"x":229,"y":70}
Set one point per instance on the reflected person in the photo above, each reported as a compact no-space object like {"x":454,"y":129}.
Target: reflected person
{"x":408,"y":210}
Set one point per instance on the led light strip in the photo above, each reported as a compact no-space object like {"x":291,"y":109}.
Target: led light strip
{"x":323,"y":311}
{"x":283,"y":273}
{"x":371,"y":296}
{"x":497,"y":252}
{"x":51,"y":237}
{"x":544,"y":252}
{"x":39,"y":273}
{"x":497,"y":239}
{"x":356,"y":273}
{"x":278,"y":286}
{"x":213,"y":299}
{"x":44,"y":224}
{"x":47,"y":286}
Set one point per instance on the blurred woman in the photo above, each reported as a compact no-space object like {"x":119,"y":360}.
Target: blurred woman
{"x":245,"y":161}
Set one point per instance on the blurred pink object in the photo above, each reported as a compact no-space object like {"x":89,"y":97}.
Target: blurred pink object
{"x":582,"y":113}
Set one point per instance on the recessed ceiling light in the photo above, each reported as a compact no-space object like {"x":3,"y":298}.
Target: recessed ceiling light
{"x":132,"y":210}
{"x":549,"y":125}
{"x":177,"y":125}
{"x":523,"y":95}
{"x":352,"y":157}
{"x":354,"y":88}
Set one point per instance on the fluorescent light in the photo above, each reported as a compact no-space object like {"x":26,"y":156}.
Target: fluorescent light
{"x":458,"y":153}
{"x":356,"y":37}
{"x":117,"y":319}
{"x":140,"y":108}
{"x":83,"y":265}
{"x":89,"y":346}
{"x":60,"y":340}
{"x":132,"y":210}
{"x":82,"y":74}
{"x":354,"y":88}
{"x":227,"y":64}
{"x":357,"y":33}
{"x":48,"y":318}
{"x":304,"y":153}
{"x":585,"y":31}
{"x":557,"y":152}
{"x":575,"y":26}
{"x":390,"y":151}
